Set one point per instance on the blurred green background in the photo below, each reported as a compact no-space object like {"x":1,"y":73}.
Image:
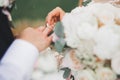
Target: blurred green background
{"x":38,"y":9}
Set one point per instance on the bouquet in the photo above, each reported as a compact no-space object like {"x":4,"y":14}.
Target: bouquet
{"x":87,"y":46}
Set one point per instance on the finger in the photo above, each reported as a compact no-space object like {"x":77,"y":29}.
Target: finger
{"x":53,"y":14}
{"x":53,"y":21}
{"x":50,"y":20}
{"x":47,"y":31}
{"x":49,"y":17}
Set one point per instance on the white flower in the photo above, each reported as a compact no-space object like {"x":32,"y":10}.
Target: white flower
{"x":70,"y":31}
{"x":4,"y":3}
{"x":53,"y":76}
{"x":36,"y":75}
{"x":76,"y":10}
{"x":107,"y":41}
{"x":80,"y":26}
{"x":85,"y":75}
{"x":105,"y":12}
{"x":105,"y":74}
{"x":67,"y":61}
{"x":115,"y":63}
{"x":72,"y":42}
{"x":86,"y":31}
{"x":87,"y":26}
{"x":86,"y":46}
{"x":47,"y":61}
{"x":106,"y":17}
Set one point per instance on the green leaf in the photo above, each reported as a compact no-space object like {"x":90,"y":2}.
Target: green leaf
{"x":59,"y":30}
{"x":59,"y":45}
{"x":66,"y":73}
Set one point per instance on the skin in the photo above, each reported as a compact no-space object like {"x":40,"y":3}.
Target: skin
{"x":38,"y":37}
{"x":54,"y":16}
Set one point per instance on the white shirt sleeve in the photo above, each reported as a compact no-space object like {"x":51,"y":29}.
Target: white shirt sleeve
{"x":17,"y":64}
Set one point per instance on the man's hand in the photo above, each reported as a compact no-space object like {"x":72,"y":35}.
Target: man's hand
{"x":54,"y":16}
{"x":38,"y":37}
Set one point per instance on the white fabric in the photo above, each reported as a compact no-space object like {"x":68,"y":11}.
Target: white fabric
{"x":17,"y":64}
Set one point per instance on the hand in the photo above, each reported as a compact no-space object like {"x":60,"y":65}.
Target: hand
{"x":38,"y":37}
{"x":54,"y":16}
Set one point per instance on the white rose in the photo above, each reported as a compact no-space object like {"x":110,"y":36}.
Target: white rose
{"x":77,"y":10}
{"x":77,"y":26}
{"x":70,"y":31}
{"x":86,"y":31}
{"x":85,"y":75}
{"x":106,"y":17}
{"x":73,"y":42}
{"x":115,"y":63}
{"x":36,"y":75}
{"x":54,"y":76}
{"x":67,"y":61}
{"x":105,"y":12}
{"x":107,"y":42}
{"x":105,"y":74}
{"x":47,"y":61}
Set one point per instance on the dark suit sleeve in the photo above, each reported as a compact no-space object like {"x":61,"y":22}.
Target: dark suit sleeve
{"x":6,"y":36}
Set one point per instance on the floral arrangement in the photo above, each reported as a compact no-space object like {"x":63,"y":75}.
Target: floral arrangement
{"x":87,"y":46}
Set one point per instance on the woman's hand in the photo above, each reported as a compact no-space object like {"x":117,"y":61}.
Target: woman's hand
{"x":39,"y":37}
{"x":54,"y":16}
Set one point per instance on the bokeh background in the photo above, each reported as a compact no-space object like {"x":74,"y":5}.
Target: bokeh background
{"x":32,"y":13}
{"x":38,"y":9}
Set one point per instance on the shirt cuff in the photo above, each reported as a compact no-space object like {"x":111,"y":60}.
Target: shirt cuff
{"x":21,"y":54}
